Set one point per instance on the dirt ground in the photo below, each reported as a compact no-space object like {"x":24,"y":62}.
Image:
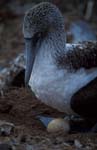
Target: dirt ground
{"x":20,"y":107}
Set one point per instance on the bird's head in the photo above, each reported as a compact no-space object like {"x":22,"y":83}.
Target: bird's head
{"x":38,"y":22}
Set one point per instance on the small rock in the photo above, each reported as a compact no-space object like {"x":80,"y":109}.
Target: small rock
{"x":8,"y":74}
{"x":58,"y":125}
{"x":6,"y":128}
{"x":66,"y":144}
{"x":77,"y":144}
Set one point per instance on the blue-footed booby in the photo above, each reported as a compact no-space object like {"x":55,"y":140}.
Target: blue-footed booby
{"x":60,"y":77}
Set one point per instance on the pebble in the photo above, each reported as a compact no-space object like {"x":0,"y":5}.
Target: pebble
{"x":77,"y":144}
{"x":6,"y":128}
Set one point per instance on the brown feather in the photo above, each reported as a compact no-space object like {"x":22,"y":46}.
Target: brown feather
{"x":84,"y":56}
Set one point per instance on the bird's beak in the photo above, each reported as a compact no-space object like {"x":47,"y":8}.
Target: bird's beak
{"x":30,"y":56}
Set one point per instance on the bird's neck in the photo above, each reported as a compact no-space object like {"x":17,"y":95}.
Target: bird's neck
{"x":55,"y":42}
{"x":51,"y":47}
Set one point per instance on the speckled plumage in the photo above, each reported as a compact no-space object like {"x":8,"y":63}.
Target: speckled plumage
{"x":42,"y":17}
{"x":79,"y":57}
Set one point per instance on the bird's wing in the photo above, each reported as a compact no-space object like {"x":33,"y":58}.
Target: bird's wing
{"x":83,"y":55}
{"x":84,"y":102}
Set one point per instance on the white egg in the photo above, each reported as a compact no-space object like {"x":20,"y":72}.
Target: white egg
{"x":58,"y":125}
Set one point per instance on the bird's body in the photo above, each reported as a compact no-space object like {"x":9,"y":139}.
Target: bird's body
{"x":55,"y":86}
{"x":52,"y":70}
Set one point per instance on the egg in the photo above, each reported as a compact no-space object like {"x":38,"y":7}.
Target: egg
{"x":58,"y":125}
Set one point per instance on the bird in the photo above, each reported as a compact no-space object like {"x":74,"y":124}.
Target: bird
{"x":69,"y":86}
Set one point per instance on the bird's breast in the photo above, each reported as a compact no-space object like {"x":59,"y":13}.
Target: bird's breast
{"x":49,"y":88}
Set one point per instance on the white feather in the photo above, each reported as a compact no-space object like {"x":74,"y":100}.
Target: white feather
{"x":54,"y":86}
